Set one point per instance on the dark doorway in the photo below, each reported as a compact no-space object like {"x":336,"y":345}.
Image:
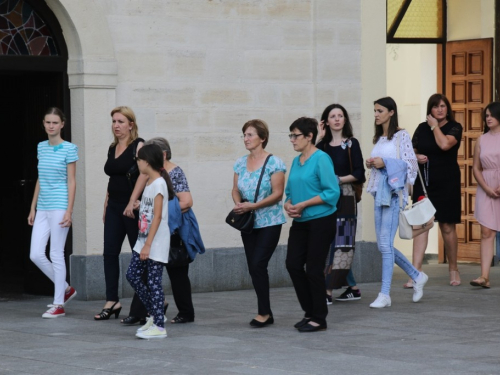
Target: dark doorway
{"x":24,"y":96}
{"x":33,"y":66}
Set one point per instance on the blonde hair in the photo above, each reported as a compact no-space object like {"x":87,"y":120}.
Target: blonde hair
{"x":130,"y":115}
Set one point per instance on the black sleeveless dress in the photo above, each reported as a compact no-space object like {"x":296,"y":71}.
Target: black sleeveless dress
{"x":441,"y":174}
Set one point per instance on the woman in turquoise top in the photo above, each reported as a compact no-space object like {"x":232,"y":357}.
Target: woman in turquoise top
{"x":268,"y":210}
{"x":312,"y":192}
{"x":52,"y":208}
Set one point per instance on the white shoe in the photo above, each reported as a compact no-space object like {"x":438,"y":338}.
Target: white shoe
{"x":152,"y":332}
{"x":145,"y":327}
{"x":383,"y":300}
{"x":418,"y":286}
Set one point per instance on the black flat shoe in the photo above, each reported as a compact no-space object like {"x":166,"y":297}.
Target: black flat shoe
{"x":130,"y":320}
{"x":302,"y":323}
{"x":181,"y":319}
{"x":105,"y":314}
{"x":256,"y":324}
{"x":310,"y":328}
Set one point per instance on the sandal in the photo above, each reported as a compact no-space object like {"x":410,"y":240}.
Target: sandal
{"x":481,"y":281}
{"x":408,"y":285}
{"x":181,"y":319}
{"x":455,"y":278}
{"x":105,"y":314}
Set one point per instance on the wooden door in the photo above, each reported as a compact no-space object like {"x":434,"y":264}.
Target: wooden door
{"x":469,"y":81}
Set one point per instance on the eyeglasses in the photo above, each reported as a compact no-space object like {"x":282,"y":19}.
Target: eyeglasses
{"x":249,"y":135}
{"x":293,"y":136}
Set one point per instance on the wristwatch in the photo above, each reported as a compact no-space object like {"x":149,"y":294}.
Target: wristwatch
{"x":432,"y":128}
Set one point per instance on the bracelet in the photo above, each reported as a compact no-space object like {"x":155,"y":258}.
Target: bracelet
{"x":432,"y":128}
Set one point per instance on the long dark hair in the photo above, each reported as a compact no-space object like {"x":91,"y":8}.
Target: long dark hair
{"x":346,"y":130}
{"x":153,"y":155}
{"x":494,"y":108}
{"x":390,"y":104}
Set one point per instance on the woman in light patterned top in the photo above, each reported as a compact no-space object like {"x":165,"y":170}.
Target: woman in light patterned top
{"x":52,"y":207}
{"x":268,"y":210}
{"x":179,"y":276}
{"x":392,"y":146}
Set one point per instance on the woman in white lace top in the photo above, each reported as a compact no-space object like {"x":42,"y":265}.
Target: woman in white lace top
{"x":389,"y":174}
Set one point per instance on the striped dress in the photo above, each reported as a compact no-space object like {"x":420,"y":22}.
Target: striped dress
{"x":53,"y":174}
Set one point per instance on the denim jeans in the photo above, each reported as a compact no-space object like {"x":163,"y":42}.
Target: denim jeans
{"x":350,"y":278}
{"x":386,"y":225}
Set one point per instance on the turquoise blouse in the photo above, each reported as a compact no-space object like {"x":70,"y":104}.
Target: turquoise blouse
{"x":247,"y":184}
{"x":315,"y":177}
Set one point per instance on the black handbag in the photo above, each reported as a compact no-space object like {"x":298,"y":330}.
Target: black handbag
{"x":244,"y":222}
{"x":178,"y":255}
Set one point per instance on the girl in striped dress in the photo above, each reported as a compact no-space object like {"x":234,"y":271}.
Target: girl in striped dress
{"x":52,"y":206}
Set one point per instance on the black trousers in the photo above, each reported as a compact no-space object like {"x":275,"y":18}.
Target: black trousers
{"x":259,"y":247}
{"x":181,"y":291}
{"x":116,"y":227}
{"x":308,"y":246}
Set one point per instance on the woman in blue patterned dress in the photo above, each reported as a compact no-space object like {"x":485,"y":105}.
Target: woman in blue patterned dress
{"x":268,"y":210}
{"x":52,"y":207}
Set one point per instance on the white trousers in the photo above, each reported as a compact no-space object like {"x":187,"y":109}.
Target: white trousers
{"x":47,"y":225}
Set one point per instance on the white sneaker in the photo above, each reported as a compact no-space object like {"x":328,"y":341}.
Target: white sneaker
{"x":383,"y":300}
{"x":152,"y":332}
{"x":418,"y":286}
{"x":145,"y":327}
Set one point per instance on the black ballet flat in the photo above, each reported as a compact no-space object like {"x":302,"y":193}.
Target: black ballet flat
{"x":105,"y":314}
{"x":131,"y":320}
{"x":302,"y":323}
{"x":310,"y":328}
{"x":256,"y":324}
{"x":181,"y":319}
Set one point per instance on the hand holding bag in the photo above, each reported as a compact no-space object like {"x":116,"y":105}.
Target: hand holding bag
{"x":244,"y":222}
{"x":417,"y":219}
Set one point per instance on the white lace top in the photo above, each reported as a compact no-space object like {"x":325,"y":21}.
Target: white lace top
{"x":385,"y":148}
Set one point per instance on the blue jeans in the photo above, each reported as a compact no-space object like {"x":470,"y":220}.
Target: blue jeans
{"x":386,"y":225}
{"x":350,"y":278}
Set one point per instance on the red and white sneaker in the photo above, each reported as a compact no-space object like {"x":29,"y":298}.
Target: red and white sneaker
{"x":55,"y":311}
{"x":69,"y":295}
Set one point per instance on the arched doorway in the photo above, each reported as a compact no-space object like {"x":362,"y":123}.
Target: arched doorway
{"x":33,"y":77}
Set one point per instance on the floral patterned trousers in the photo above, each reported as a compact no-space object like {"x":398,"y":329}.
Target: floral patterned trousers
{"x":151,"y":295}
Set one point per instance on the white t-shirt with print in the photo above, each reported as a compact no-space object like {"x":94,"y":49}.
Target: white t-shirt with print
{"x":161,"y":242}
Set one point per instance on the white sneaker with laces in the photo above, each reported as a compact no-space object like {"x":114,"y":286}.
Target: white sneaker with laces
{"x":383,"y":300}
{"x":152,"y":332}
{"x":145,"y":327}
{"x":418,"y":286}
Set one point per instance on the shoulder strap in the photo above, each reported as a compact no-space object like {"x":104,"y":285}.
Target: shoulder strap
{"x":260,"y":178}
{"x":350,"y":160}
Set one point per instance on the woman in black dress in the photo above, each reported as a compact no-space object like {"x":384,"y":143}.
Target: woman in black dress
{"x":436,"y":143}
{"x":337,"y":140}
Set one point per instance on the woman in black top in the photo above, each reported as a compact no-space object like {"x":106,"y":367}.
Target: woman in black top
{"x":436,"y":143}
{"x":337,"y":141}
{"x":124,"y":177}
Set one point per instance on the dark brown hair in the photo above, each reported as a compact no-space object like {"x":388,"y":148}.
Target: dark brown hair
{"x":306,"y":126}
{"x":434,"y":101}
{"x":261,"y":128}
{"x":390,"y":104}
{"x":494,"y":108}
{"x":55,"y":111}
{"x":346,"y":130}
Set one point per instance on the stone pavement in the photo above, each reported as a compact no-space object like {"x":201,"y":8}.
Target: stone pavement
{"x":453,"y":330}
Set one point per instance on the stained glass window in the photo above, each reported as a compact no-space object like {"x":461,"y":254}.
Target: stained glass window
{"x":415,"y":19}
{"x":23,"y":31}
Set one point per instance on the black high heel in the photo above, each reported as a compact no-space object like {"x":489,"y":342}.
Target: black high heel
{"x":130,"y":320}
{"x":105,"y":314}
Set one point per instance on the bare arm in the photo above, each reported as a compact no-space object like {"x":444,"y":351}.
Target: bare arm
{"x":296,"y":210}
{"x":277,"y":186}
{"x":155,"y":224}
{"x":66,"y":222}
{"x":477,"y":170}
{"x":444,"y":142}
{"x":235,"y":193}
{"x":31,"y":216}
{"x":105,"y":206}
{"x":185,"y":200}
{"x":140,"y":184}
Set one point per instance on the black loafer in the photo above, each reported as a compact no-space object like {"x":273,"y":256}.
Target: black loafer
{"x":181,"y":319}
{"x":310,"y":328}
{"x":302,"y":323}
{"x":130,"y":320}
{"x":256,"y":324}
